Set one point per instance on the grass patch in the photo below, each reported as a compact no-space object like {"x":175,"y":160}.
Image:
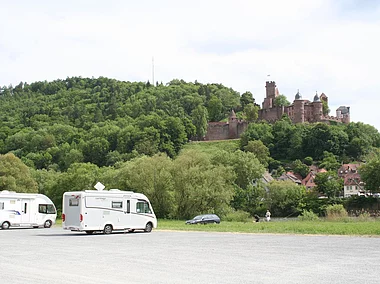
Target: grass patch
{"x":324,"y":227}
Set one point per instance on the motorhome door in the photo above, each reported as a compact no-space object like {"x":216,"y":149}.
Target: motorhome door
{"x":25,"y":210}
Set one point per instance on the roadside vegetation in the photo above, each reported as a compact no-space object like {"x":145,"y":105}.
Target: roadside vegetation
{"x":350,"y":226}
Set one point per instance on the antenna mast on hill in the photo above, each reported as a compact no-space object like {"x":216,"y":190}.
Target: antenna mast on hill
{"x":153,"y":71}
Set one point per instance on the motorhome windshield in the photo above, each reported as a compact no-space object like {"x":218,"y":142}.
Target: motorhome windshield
{"x":46,"y":209}
{"x":143,"y":207}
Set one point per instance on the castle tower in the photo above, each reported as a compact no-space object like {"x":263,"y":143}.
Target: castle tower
{"x":271,"y":93}
{"x":317,"y":108}
{"x":299,"y":109}
{"x":232,"y":126}
{"x":343,"y":113}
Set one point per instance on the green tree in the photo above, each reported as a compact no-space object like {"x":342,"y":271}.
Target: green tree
{"x":96,"y":150}
{"x":282,"y":136}
{"x":329,"y":162}
{"x":245,"y":165}
{"x":362,"y":138}
{"x":251,"y":112}
{"x":300,"y":168}
{"x":260,"y":150}
{"x":15,"y":175}
{"x":329,"y":184}
{"x":285,"y":198}
{"x":200,"y":186}
{"x":80,"y":176}
{"x":257,"y":131}
{"x":151,"y":176}
{"x":200,"y":117}
{"x":369,"y":173}
{"x":246,"y":99}
{"x":281,"y":100}
{"x":250,"y":199}
{"x":215,"y":109}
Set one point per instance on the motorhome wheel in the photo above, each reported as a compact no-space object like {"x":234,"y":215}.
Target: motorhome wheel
{"x":107,"y":229}
{"x":5,"y":225}
{"x":148,"y":227}
{"x":48,"y":224}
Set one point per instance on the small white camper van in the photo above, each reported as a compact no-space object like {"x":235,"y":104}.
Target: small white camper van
{"x":26,"y":210}
{"x":107,"y":211}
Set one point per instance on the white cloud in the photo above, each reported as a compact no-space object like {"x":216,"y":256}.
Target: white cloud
{"x":324,"y":46}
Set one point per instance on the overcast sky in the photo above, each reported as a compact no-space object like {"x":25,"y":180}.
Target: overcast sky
{"x":329,"y":46}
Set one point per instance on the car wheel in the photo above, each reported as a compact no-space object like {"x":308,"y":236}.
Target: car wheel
{"x":89,"y":232}
{"x":107,"y":229}
{"x":48,"y":224}
{"x":5,"y":225}
{"x":148,"y":227}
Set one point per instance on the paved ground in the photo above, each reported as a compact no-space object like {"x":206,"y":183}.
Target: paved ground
{"x":57,"y":256}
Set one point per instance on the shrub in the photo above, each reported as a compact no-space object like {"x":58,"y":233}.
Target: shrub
{"x":237,"y":216}
{"x":364,"y":217}
{"x":308,"y":215}
{"x":308,"y":161}
{"x":336,"y":212}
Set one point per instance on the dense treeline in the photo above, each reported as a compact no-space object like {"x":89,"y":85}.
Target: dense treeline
{"x":71,"y":133}
{"x":102,"y":121}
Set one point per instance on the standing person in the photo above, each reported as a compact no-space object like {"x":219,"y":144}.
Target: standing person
{"x":267,"y":215}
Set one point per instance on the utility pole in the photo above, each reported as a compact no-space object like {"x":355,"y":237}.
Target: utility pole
{"x":153,"y":72}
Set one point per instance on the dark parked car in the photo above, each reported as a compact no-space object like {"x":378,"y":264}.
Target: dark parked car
{"x":204,"y":219}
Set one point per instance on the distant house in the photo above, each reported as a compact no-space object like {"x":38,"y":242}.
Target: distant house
{"x":308,"y":181}
{"x":290,"y":176}
{"x":266,"y":179}
{"x":353,"y":184}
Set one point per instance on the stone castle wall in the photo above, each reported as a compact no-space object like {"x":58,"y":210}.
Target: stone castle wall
{"x":217,"y":131}
{"x":225,"y":130}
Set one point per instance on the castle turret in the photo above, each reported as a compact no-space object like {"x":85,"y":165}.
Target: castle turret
{"x":232,"y":125}
{"x":299,"y":108}
{"x":317,"y":108}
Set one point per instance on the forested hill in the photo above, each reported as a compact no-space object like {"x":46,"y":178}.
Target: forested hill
{"x":51,"y":125}
{"x":103,"y":120}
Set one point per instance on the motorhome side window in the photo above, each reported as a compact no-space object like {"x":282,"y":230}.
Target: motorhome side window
{"x":143,"y":207}
{"x":1,"y":205}
{"x":117,"y":204}
{"x":73,"y":202}
{"x":46,"y":209}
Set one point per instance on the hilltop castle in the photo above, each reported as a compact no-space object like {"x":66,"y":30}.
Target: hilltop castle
{"x":300,"y":111}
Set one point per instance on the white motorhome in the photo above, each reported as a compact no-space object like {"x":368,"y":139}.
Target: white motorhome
{"x":26,"y":210}
{"x":107,"y":211}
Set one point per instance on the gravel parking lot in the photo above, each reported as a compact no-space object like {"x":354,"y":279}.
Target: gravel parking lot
{"x":58,"y":256}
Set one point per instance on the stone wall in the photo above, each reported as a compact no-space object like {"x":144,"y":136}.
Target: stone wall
{"x":217,"y":131}
{"x":223,"y":131}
